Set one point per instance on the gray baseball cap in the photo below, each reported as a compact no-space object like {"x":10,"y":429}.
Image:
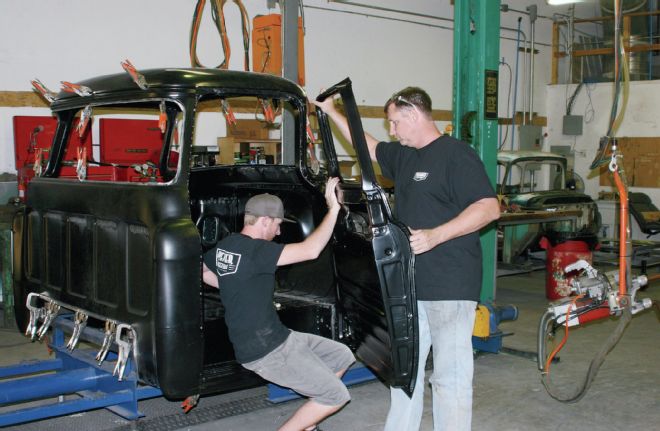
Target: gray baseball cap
{"x":266,"y":205}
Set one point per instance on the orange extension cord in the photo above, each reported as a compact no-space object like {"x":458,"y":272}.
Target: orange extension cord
{"x":219,"y":21}
{"x":563,"y":341}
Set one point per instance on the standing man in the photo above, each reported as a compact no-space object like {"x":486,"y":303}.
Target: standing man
{"x":243,"y":266}
{"x":444,"y":196}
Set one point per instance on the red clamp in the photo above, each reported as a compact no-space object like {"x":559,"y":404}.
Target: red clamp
{"x":267,"y":108}
{"x":190,"y":403}
{"x":84,"y":120}
{"x":138,"y":78}
{"x":228,"y":112}
{"x":310,"y":144}
{"x":80,"y":90}
{"x":310,"y":134}
{"x":81,"y":165}
{"x":21,"y":189}
{"x":162,"y":118}
{"x":43,"y":90}
{"x":38,"y":167}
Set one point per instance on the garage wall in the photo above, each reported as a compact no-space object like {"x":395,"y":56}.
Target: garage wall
{"x":595,"y":102}
{"x":381,"y":51}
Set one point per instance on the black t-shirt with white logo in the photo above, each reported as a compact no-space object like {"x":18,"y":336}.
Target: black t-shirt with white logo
{"x":245,"y":268}
{"x":432,"y":185}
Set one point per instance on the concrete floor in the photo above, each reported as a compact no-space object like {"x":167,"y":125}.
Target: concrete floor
{"x":508,"y":394}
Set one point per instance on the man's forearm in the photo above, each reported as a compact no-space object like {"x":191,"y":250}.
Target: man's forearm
{"x":312,"y":246}
{"x":342,"y":124}
{"x":473,"y":218}
{"x":209,"y":276}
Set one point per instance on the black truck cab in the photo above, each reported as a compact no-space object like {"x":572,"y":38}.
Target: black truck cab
{"x":118,"y":232}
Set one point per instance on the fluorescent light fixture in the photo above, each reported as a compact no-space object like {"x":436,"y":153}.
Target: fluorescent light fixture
{"x":561,"y":2}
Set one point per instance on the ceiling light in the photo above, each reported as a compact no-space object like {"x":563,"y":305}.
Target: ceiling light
{"x":561,"y":2}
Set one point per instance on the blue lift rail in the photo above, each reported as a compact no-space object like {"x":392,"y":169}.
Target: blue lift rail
{"x":74,"y":372}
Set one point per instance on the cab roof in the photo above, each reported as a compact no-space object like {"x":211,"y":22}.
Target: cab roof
{"x":165,"y":82}
{"x":511,"y":156}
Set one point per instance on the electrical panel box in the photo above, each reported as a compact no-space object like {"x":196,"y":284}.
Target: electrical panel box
{"x":530,"y":137}
{"x":267,"y":46}
{"x":572,"y":125}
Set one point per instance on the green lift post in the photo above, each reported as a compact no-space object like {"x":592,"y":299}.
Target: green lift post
{"x":476,"y":62}
{"x":475,"y":120}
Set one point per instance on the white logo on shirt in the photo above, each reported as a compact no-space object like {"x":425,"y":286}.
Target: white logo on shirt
{"x":226,"y":262}
{"x":420,"y":176}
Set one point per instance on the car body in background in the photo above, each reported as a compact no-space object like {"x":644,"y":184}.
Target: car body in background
{"x":534,"y":183}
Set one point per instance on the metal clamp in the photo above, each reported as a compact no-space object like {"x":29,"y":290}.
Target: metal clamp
{"x":137,"y":77}
{"x":43,"y":90}
{"x":80,"y":321}
{"x":80,"y":90}
{"x":85,"y":116}
{"x":228,"y":112}
{"x":38,"y":162}
{"x":51,"y":310}
{"x":125,"y":347}
{"x":81,"y":164}
{"x":110,"y":327}
{"x":36,"y":313}
{"x":582,"y":265}
{"x":613,"y":165}
{"x":162,"y":117}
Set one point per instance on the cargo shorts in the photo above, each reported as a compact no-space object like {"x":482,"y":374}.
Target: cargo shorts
{"x":307,"y":364}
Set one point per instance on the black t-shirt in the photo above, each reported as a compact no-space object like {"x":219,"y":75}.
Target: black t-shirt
{"x":432,"y":185}
{"x":246,"y":276}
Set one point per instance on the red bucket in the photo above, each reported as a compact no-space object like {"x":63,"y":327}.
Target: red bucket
{"x":558,"y":283}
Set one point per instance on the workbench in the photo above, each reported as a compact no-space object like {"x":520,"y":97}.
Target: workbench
{"x":520,"y":229}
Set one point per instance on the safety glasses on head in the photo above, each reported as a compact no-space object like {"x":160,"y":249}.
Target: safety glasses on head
{"x":400,"y":101}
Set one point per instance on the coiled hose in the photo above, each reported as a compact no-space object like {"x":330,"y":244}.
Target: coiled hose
{"x":579,"y":392}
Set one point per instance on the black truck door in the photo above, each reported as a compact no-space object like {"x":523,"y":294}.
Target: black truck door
{"x":374,"y":264}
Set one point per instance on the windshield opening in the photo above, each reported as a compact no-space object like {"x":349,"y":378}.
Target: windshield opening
{"x":135,"y":143}
{"x":531,"y":176}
